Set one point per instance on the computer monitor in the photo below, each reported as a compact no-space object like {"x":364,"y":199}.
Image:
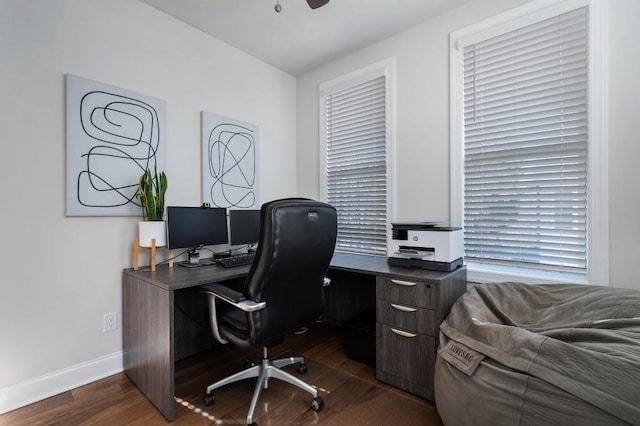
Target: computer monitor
{"x":194,"y":227}
{"x":244,"y":226}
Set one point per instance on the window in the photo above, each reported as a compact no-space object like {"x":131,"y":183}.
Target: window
{"x":355,"y":129}
{"x":527,"y":154}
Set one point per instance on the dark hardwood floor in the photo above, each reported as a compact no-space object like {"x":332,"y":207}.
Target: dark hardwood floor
{"x":351,"y":393}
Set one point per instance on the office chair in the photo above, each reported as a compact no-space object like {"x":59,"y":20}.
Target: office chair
{"x":282,"y":293}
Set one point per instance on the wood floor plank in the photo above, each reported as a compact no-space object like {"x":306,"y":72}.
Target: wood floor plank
{"x":35,"y":413}
{"x":351,"y":393}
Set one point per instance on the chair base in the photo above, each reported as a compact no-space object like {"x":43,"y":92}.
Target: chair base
{"x":264,"y":371}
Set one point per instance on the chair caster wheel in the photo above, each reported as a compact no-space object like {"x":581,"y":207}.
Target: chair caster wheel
{"x":302,"y":368}
{"x":317,"y":404}
{"x":209,"y":399}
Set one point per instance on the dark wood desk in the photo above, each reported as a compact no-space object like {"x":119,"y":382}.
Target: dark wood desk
{"x":151,"y":340}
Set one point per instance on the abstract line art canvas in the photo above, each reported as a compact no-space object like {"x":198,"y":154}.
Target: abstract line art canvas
{"x":229,"y":162}
{"x":113,"y":135}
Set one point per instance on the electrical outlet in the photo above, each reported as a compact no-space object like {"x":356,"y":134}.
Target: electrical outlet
{"x":110,"y":322}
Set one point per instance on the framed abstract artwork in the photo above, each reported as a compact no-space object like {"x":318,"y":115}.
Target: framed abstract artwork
{"x":229,"y":162}
{"x":113,"y":136}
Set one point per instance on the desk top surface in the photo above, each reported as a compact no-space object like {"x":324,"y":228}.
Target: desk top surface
{"x":179,"y":277}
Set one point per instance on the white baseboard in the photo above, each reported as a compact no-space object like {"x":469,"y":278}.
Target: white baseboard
{"x":39,"y":388}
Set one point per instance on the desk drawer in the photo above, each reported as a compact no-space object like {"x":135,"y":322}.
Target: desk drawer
{"x":419,"y":320}
{"x":406,"y":292}
{"x":405,"y":359}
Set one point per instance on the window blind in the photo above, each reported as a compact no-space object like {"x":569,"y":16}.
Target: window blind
{"x":356,"y":165}
{"x":525,"y":145}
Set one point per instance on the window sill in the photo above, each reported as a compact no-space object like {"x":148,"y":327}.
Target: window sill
{"x":483,"y":273}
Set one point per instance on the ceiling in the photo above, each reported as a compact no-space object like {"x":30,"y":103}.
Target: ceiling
{"x":299,"y":39}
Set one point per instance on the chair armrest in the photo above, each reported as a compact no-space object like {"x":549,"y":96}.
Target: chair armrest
{"x":224,"y":291}
{"x":230,"y":296}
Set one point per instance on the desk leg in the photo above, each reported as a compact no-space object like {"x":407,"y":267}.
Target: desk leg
{"x":147,"y":321}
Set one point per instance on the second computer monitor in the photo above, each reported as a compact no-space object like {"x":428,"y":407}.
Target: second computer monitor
{"x":244,"y":226}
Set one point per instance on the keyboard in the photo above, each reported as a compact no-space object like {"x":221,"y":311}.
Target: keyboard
{"x":237,"y":260}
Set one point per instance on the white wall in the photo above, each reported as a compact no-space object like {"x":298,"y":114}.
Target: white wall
{"x":422,"y":121}
{"x":624,"y":142}
{"x":61,"y":274}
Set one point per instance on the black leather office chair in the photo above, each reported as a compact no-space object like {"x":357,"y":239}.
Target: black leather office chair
{"x":282,"y":293}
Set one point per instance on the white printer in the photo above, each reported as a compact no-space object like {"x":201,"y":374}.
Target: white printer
{"x":426,"y":245}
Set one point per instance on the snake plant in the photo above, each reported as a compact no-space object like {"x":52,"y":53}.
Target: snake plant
{"x":151,"y":189}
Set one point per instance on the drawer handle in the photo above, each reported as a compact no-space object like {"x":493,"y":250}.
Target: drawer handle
{"x":404,"y":283}
{"x":403,"y":308}
{"x":403,"y":333}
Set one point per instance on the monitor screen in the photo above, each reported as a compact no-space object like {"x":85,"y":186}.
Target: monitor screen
{"x":244,"y":226}
{"x":192,"y":227}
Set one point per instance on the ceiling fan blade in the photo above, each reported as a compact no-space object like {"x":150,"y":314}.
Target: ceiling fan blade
{"x":314,"y":4}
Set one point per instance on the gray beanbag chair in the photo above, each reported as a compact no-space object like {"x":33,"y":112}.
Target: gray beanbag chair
{"x":516,"y":354}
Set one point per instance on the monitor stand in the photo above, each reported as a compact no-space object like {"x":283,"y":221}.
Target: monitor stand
{"x":194,"y":257}
{"x":194,"y":260}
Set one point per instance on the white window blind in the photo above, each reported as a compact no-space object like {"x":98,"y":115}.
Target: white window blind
{"x":356,"y":164}
{"x":525,"y":145}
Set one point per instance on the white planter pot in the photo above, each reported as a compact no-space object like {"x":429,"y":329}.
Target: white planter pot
{"x":149,"y":230}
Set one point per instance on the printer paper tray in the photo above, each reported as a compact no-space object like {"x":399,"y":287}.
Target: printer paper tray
{"x":421,"y":253}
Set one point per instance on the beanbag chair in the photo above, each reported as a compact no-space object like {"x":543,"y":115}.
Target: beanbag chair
{"x":556,"y":354}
